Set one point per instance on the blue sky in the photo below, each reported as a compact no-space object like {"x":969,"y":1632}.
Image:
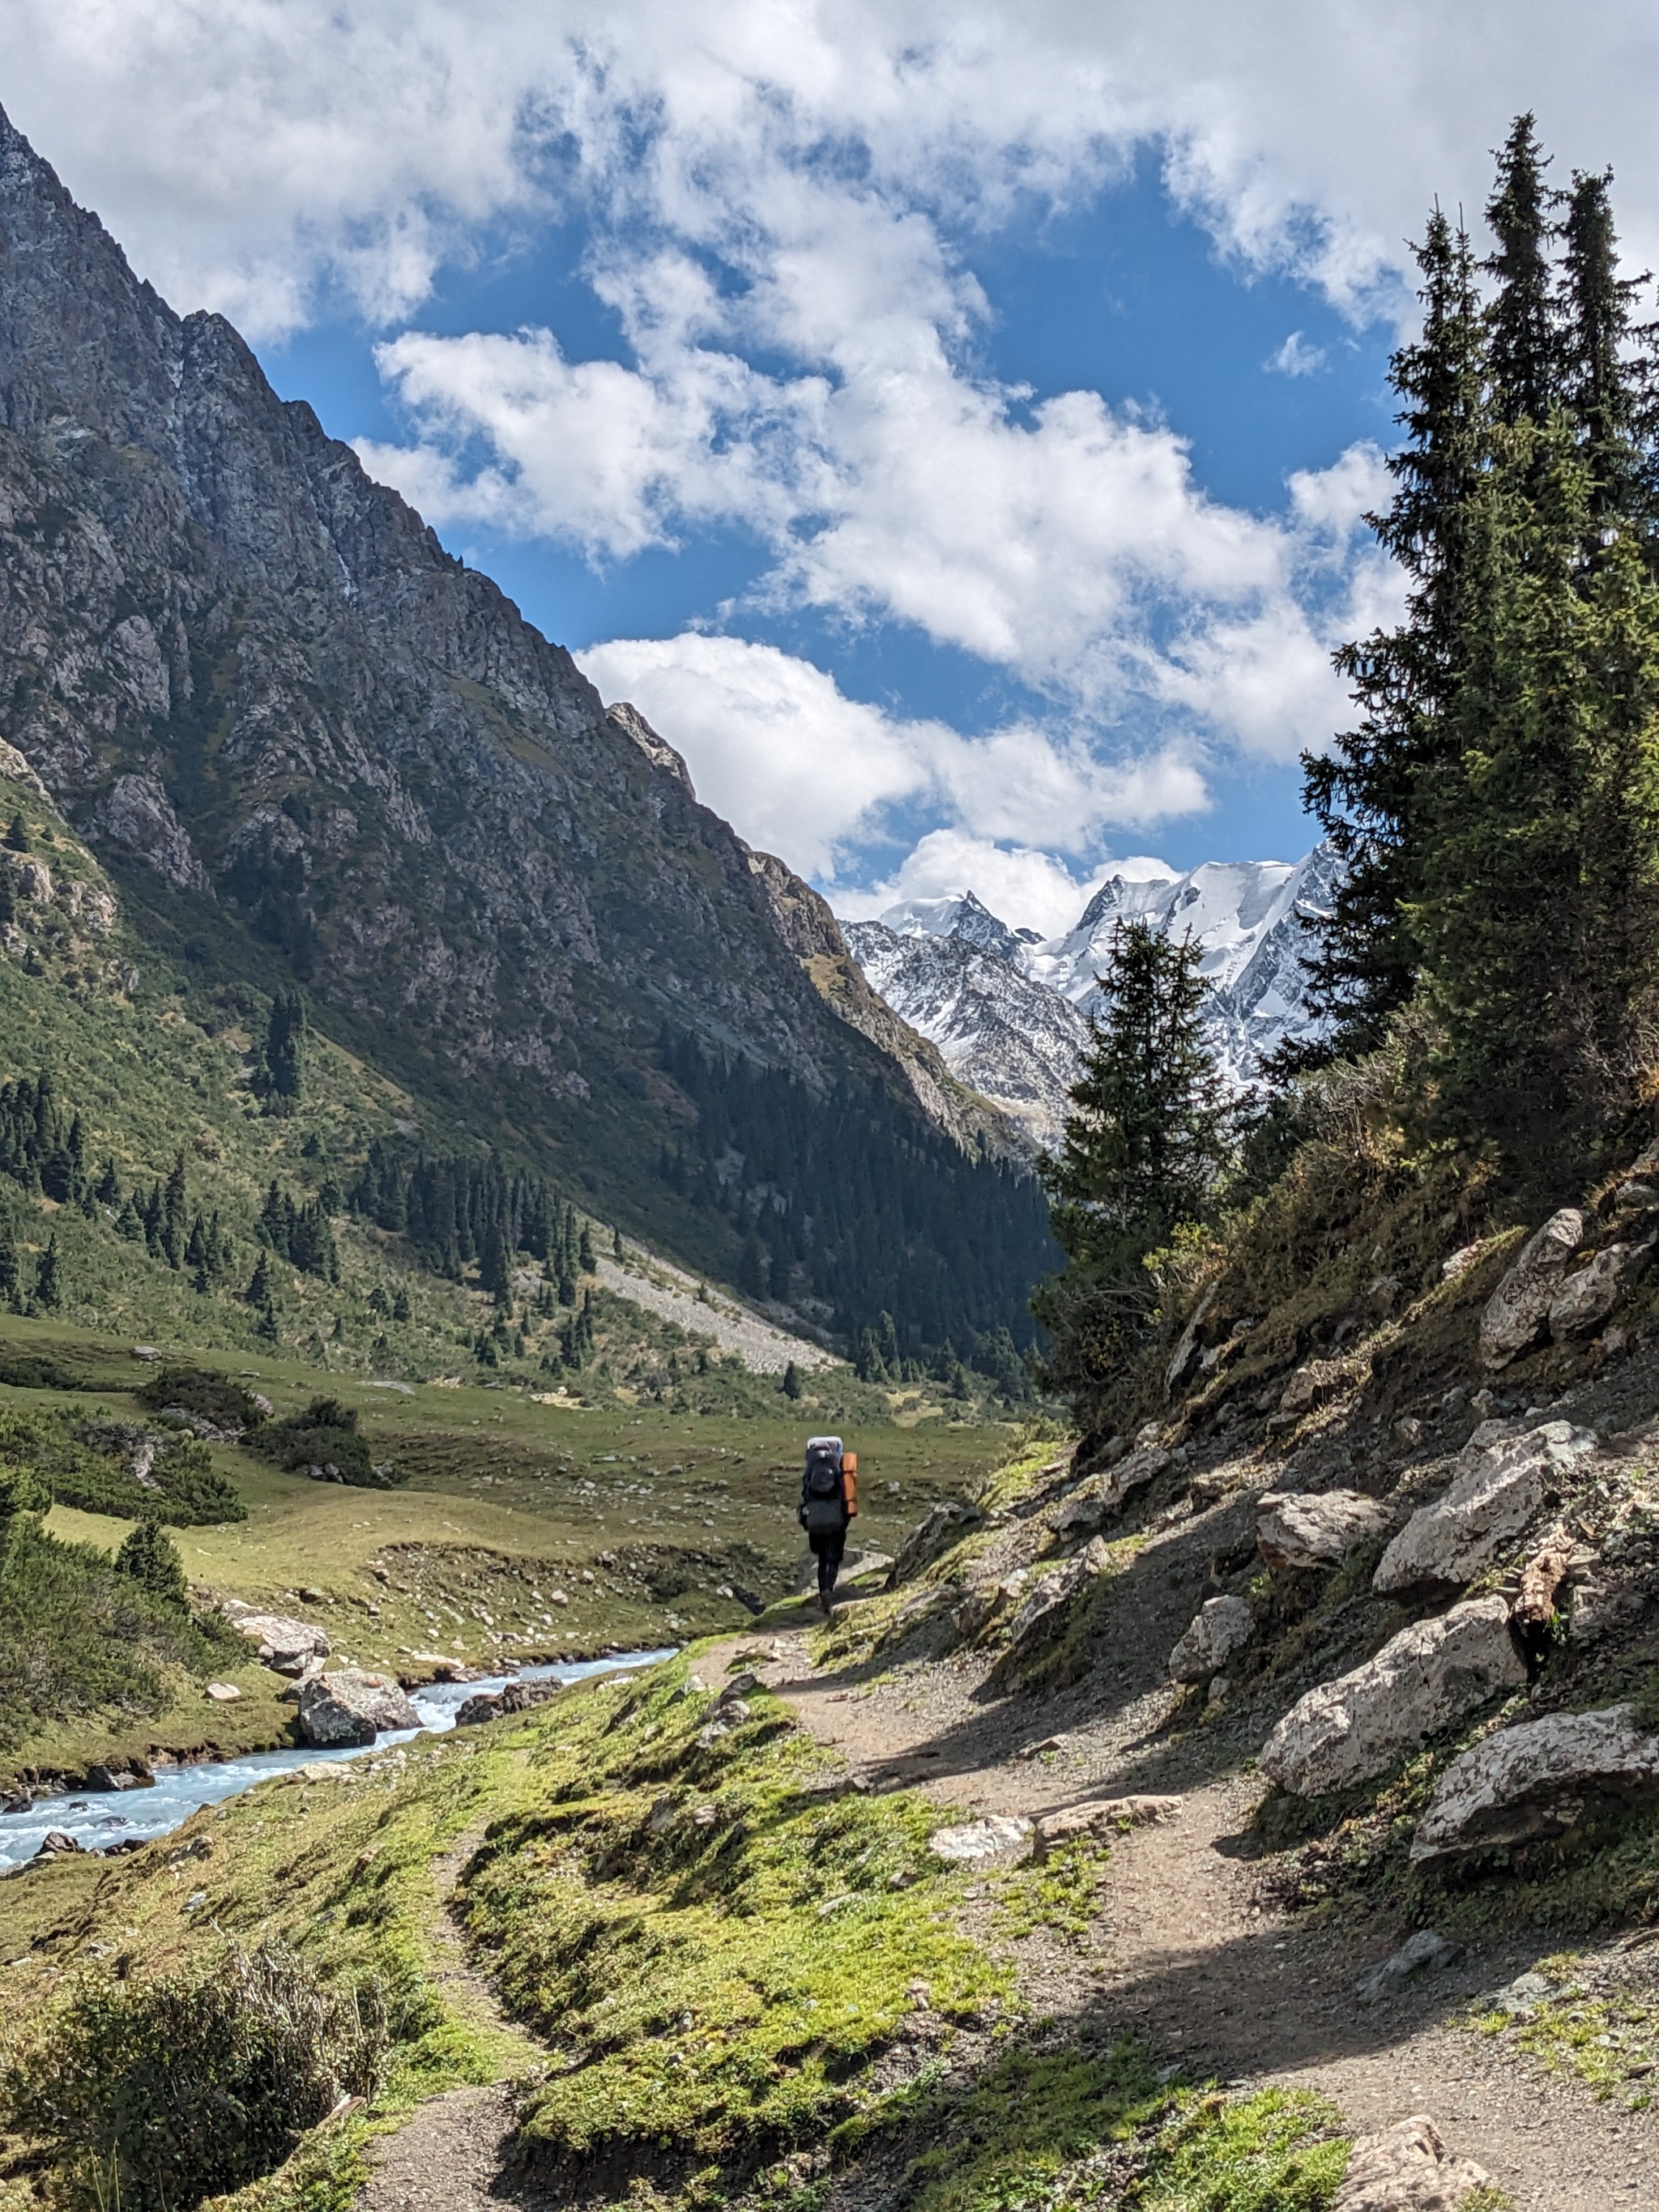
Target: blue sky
{"x":951,"y":424}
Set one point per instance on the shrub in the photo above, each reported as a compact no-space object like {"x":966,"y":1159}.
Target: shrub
{"x":149,"y":1557}
{"x":206,"y":1391}
{"x":153,"y":2095}
{"x":325,"y":1435}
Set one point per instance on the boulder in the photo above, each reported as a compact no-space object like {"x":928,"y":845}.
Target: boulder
{"x":1096,"y":1500}
{"x":1424,"y":1953}
{"x":1408,"y":2168}
{"x":284,"y":1644}
{"x":985,"y":1601}
{"x":1052,"y":1593}
{"x":1101,"y":1816}
{"x":1421,"y":1681}
{"x":1539,"y":1779}
{"x":1315,"y":1528}
{"x":222,"y":1693}
{"x":351,"y":1707}
{"x":1500,"y":1490}
{"x":1589,"y":1294}
{"x":1223,"y":1625}
{"x":1311,"y":1384}
{"x":516,"y":1697}
{"x":1000,"y":1839}
{"x":1517,"y":1312}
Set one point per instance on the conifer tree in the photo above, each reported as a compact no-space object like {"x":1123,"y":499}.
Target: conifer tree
{"x":1143,"y":1149}
{"x":48,"y":1290}
{"x":1524,"y":352}
{"x":148,"y":1557}
{"x":17,"y":837}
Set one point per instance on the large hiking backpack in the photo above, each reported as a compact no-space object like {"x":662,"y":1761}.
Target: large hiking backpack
{"x":822,"y":1492}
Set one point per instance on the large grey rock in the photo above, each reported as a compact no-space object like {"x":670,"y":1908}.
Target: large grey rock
{"x":1186,"y":1355}
{"x":284,"y":1644}
{"x":939,"y":1527}
{"x":1422,"y":1680}
{"x":1223,"y":1625}
{"x":1296,"y":1529}
{"x":1095,"y":1501}
{"x":1589,"y":1294}
{"x":1539,"y":1779}
{"x":352,"y":1707}
{"x":1489,"y":1503}
{"x":1050,"y":1595}
{"x":1517,"y":1312}
{"x":1424,"y":1953}
{"x":1408,"y":2168}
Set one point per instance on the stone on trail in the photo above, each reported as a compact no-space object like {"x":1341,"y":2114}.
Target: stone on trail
{"x":1490,"y":1502}
{"x":1539,"y":1779}
{"x":1100,"y":1816}
{"x":222,"y":1693}
{"x":351,"y":1707}
{"x":1425,"y":1951}
{"x":1517,"y":1313}
{"x":1422,"y":1680}
{"x":1315,"y":1528}
{"x":1000,"y":1839}
{"x":1408,"y":2168}
{"x":1223,"y":1625}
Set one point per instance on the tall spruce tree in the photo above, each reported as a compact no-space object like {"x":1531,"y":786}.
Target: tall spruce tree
{"x":1525,"y":351}
{"x":1372,"y":791}
{"x":1143,"y":1149}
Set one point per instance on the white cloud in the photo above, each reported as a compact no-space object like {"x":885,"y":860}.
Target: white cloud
{"x":1298,"y":356}
{"x":798,"y":768}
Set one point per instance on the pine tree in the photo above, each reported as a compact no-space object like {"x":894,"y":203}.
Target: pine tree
{"x":259,"y":1290}
{"x":1525,"y":350}
{"x":147,"y":1555}
{"x":48,"y":1289}
{"x":284,"y":1073}
{"x":791,"y":1385}
{"x":1374,"y":793}
{"x":17,"y":837}
{"x":11,"y":1283}
{"x":1143,"y":1148}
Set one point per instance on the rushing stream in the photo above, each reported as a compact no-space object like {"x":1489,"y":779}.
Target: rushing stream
{"x":97,"y":1820}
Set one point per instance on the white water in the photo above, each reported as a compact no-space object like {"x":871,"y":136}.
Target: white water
{"x":98,"y":1819}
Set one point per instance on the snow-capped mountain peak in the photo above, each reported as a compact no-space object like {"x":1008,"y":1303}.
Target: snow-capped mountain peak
{"x":1010,"y":1012}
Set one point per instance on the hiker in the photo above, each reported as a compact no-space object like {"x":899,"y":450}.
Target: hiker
{"x":828,"y":1499}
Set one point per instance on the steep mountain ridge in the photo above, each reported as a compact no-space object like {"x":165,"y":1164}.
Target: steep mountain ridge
{"x":310,"y":744}
{"x":1009,"y":1011}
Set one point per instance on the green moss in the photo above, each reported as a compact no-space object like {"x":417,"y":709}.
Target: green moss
{"x":716,"y":1956}
{"x":1278,"y":2151}
{"x":1061,"y":1893}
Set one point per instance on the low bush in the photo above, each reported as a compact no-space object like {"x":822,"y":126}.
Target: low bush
{"x":153,"y":2095}
{"x":203,"y":1391}
{"x":326,"y":1436}
{"x":115,"y":1468}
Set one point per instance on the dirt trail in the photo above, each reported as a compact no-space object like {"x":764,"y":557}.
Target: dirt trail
{"x":452,"y":2155}
{"x":1186,"y":1952}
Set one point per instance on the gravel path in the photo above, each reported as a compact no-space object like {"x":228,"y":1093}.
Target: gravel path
{"x":765,"y":1349}
{"x":1186,"y":1952}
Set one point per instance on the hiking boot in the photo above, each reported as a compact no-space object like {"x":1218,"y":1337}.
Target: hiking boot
{"x":826,"y":1603}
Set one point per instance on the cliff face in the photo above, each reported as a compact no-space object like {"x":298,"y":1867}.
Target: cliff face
{"x":256,"y":680}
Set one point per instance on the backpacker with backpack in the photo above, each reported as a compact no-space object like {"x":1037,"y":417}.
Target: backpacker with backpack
{"x":822,"y":1496}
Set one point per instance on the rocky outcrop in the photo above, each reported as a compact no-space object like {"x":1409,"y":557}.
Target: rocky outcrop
{"x":1487,"y":1506}
{"x":1590,"y":1293}
{"x":1306,"y":1530}
{"x":351,"y":1707}
{"x":1223,"y":1625}
{"x":513,"y":1698}
{"x":940,"y":1526}
{"x":1517,"y":1313}
{"x":1422,"y":1680}
{"x":1539,"y":1779}
{"x":1051,"y":1595}
{"x":1096,"y":1500}
{"x":1408,"y":2168}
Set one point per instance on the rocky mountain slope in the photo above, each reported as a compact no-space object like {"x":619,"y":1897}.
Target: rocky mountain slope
{"x":312,"y":745}
{"x":1009,"y":1011}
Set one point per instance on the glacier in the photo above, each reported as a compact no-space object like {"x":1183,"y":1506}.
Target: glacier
{"x":1009,"y":1010}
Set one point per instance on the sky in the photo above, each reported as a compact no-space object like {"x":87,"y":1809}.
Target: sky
{"x":950,"y":425}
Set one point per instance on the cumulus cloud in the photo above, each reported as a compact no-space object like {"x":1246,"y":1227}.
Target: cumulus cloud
{"x":775,"y":746}
{"x":1297,"y":357}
